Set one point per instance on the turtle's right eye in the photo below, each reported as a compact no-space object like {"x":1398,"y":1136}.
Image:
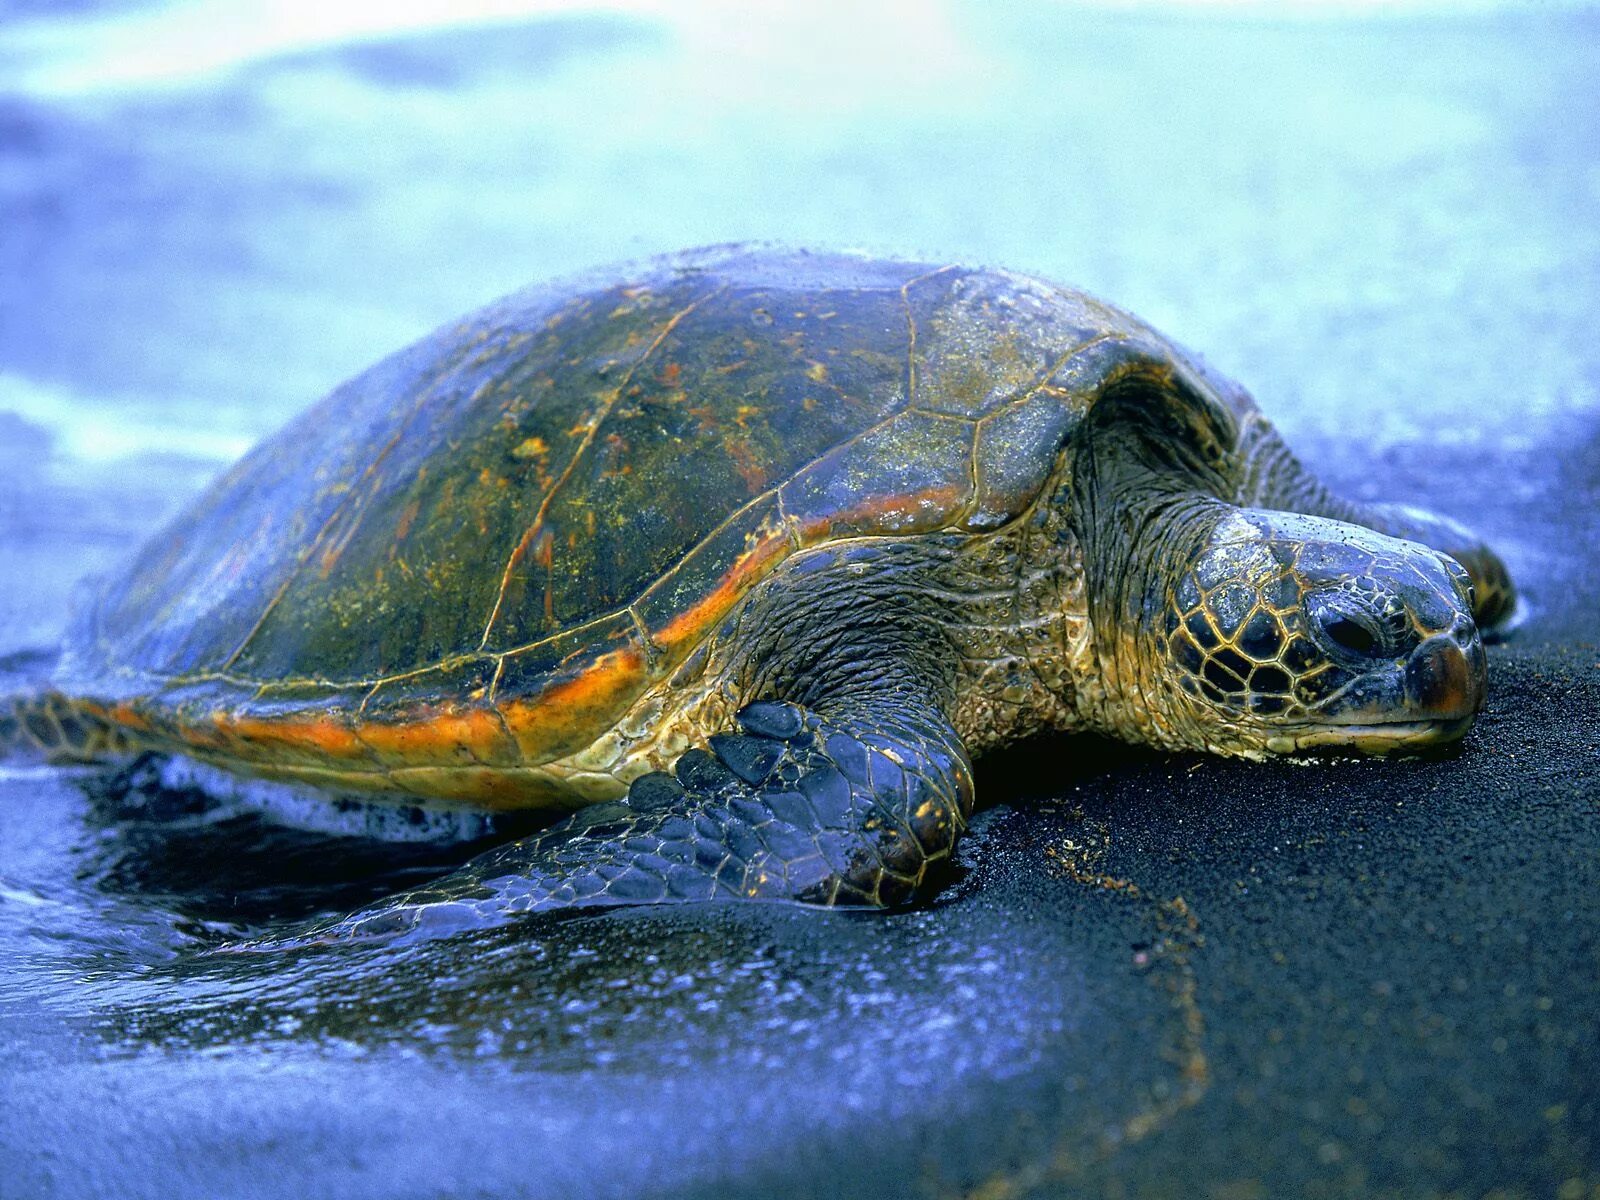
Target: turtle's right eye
{"x":1344,"y":627}
{"x":1344,"y":632}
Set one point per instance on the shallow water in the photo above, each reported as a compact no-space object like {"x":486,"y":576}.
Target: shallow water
{"x":1147,"y":969}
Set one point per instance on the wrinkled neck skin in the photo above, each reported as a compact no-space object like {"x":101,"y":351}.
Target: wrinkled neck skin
{"x":1131,"y":557}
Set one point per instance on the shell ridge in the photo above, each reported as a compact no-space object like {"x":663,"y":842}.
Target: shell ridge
{"x":500,"y":656}
{"x":775,"y":492}
{"x":1050,"y":372}
{"x":584,"y":443}
{"x":911,"y":326}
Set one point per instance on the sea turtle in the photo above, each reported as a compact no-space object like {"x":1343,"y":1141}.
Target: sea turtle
{"x":744,"y":554}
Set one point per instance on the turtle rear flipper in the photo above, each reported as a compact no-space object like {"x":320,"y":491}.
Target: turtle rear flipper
{"x":57,"y":729}
{"x":851,"y":809}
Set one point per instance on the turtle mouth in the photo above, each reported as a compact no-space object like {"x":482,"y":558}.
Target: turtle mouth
{"x":1372,"y":737}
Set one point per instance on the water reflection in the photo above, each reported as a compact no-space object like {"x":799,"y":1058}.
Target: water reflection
{"x":220,"y":861}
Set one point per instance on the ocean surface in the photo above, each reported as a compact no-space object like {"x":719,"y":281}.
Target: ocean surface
{"x":1151,"y":975}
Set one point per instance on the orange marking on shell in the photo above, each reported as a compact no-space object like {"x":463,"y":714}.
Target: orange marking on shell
{"x":543,"y":552}
{"x":544,"y":555}
{"x":533,"y":447}
{"x":321,"y":736}
{"x":439,"y":735}
{"x":407,"y":518}
{"x":198,"y":736}
{"x":331,"y":553}
{"x":875,"y":513}
{"x":123,"y":715}
{"x":567,"y":715}
{"x":685,"y":630}
{"x":518,"y":553}
{"x":752,"y":469}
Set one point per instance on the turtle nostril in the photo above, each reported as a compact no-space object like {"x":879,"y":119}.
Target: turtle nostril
{"x":1350,"y":635}
{"x":1444,"y":678}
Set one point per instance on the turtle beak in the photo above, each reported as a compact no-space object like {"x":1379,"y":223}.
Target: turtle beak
{"x":1431,"y":700}
{"x":1446,"y":677}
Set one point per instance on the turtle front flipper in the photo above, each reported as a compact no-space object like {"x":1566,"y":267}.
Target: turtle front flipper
{"x":850,"y":808}
{"x":1275,"y":478}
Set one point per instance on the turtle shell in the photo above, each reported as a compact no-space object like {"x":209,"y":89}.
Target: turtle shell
{"x":478,"y":554}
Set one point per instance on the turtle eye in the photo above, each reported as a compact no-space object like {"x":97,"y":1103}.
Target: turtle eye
{"x":1342,"y":631}
{"x":1344,"y":627}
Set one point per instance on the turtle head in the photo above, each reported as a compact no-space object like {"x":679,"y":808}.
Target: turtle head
{"x":1285,"y":632}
